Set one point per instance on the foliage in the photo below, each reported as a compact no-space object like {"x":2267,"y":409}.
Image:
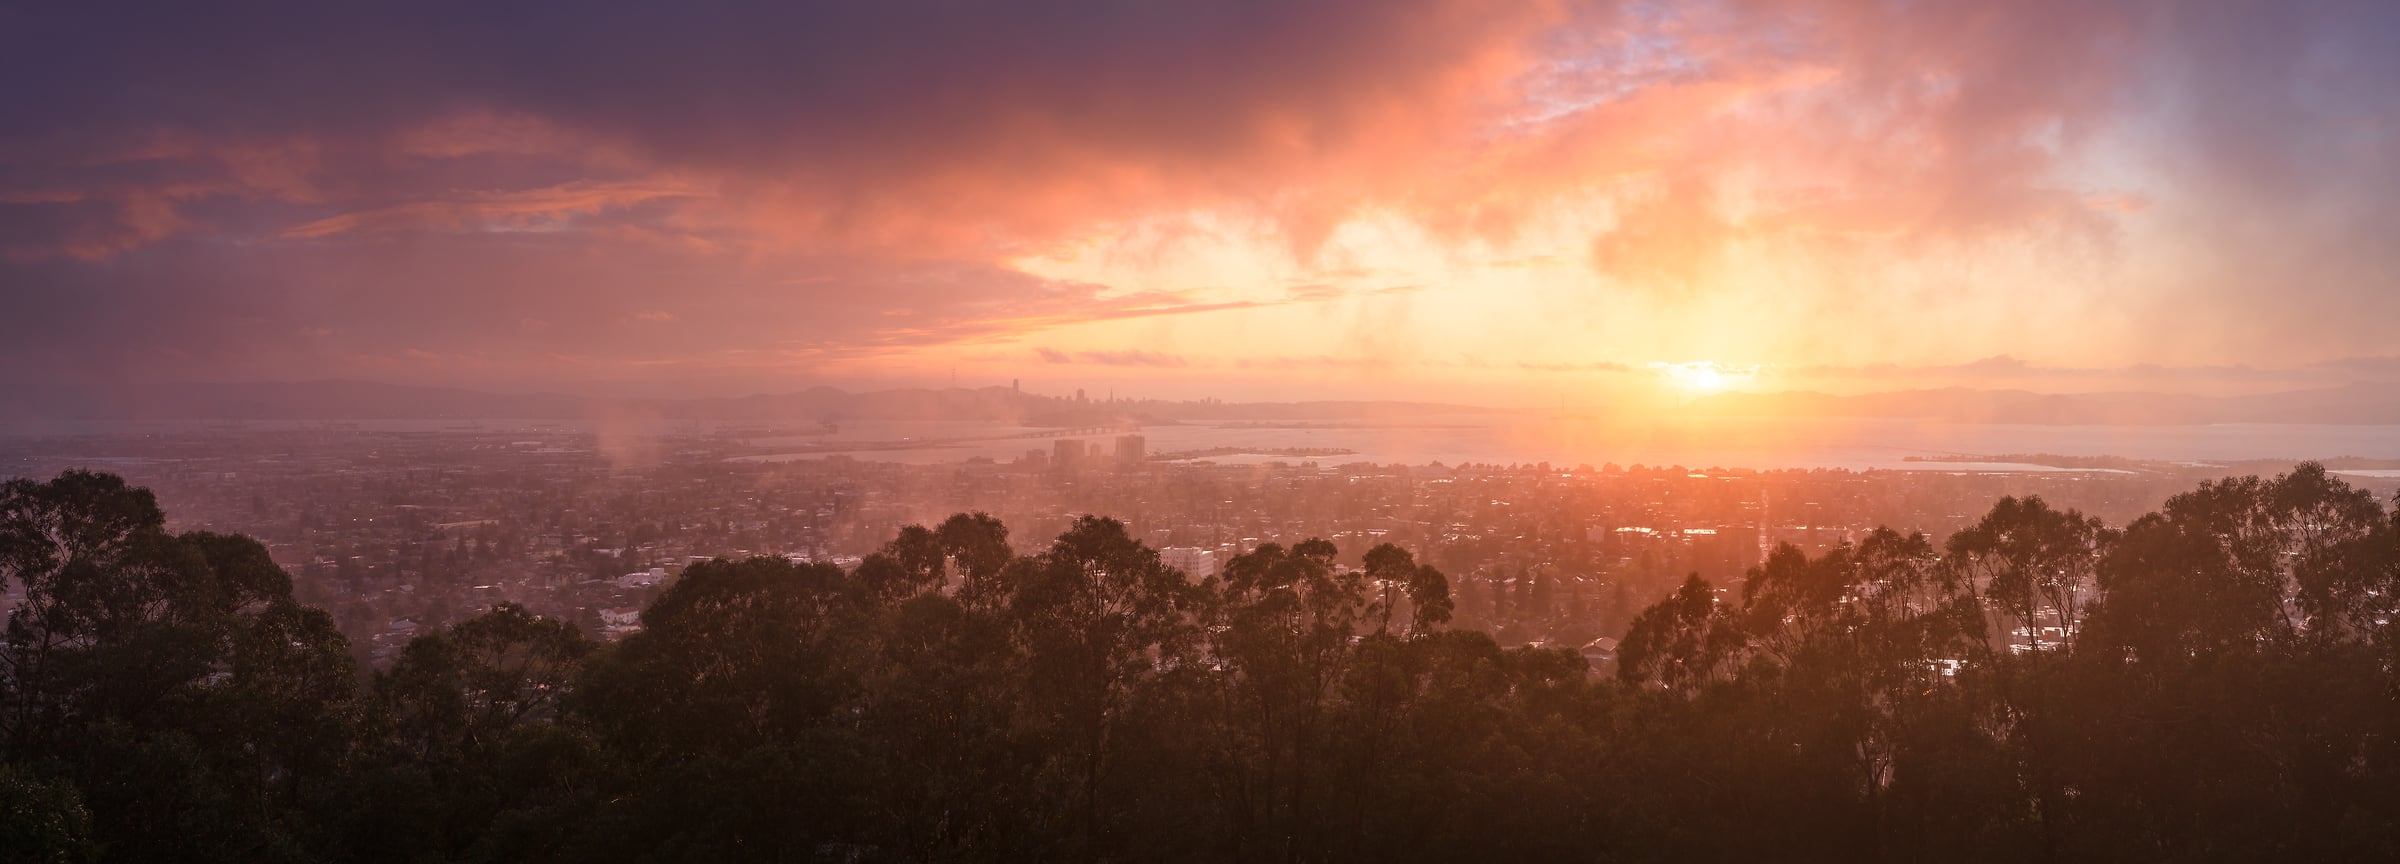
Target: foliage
{"x":2215,"y":681}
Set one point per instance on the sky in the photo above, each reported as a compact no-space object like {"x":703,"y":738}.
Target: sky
{"x":1458,"y":200}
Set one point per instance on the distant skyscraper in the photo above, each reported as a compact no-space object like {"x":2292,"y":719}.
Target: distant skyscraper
{"x":1131,"y":450}
{"x":1066,"y":454}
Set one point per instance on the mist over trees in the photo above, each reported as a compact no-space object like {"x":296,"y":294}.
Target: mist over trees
{"x":2214,"y":681}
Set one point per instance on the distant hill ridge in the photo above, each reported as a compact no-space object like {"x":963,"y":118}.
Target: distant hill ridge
{"x":339,"y":399}
{"x":334,"y":400}
{"x":2354,"y":404}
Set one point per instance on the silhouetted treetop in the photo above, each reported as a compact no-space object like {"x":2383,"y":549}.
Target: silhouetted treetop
{"x":2214,"y":681}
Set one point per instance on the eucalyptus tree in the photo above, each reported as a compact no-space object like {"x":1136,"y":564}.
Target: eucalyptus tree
{"x":1103,"y":626}
{"x":170,"y":677}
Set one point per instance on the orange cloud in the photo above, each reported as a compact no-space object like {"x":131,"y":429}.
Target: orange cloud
{"x":526,"y":210}
{"x":1811,"y":182}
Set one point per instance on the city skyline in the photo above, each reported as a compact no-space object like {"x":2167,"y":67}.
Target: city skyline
{"x":1119,"y":431}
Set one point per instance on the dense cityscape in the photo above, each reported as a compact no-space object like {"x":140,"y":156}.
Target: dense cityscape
{"x":397,"y":532}
{"x":1122,"y":431}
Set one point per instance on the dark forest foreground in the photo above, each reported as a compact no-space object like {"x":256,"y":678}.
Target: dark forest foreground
{"x":2214,"y":681}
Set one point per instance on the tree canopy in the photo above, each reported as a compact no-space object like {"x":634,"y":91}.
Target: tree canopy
{"x":2215,"y":681}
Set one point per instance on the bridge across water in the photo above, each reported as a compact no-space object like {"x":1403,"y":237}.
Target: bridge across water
{"x":1064,"y":432}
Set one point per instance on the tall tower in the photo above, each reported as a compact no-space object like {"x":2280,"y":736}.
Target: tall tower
{"x":1766,"y":524}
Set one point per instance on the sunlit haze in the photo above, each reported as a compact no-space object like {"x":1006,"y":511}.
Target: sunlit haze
{"x":1520,"y":205}
{"x":1200,"y":431}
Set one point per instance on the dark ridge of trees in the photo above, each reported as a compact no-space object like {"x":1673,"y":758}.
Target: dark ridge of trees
{"x":2215,"y":681}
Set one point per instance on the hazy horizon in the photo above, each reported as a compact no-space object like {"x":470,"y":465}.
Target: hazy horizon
{"x":1528,"y":205}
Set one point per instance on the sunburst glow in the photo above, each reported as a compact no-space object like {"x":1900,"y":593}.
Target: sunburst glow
{"x":1702,"y":377}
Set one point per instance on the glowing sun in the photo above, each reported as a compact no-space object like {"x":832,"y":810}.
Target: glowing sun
{"x":1702,"y":377}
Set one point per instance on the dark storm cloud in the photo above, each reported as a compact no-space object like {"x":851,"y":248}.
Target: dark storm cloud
{"x":243,"y":185}
{"x":844,"y":94}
